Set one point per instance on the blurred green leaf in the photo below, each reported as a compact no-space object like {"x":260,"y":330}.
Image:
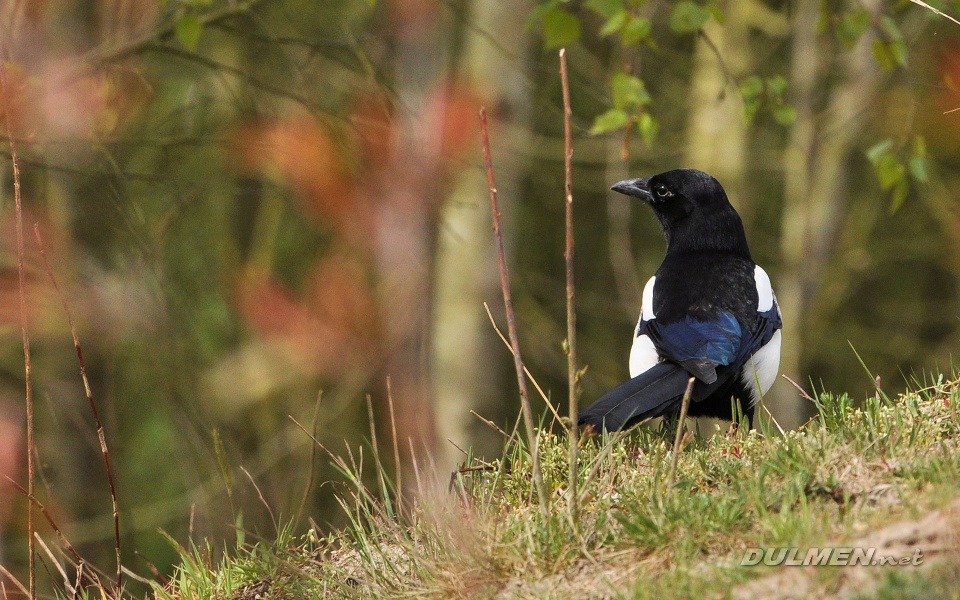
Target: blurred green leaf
{"x":899,"y":195}
{"x":717,"y":13}
{"x":890,"y":171}
{"x":628,"y":91}
{"x":784,"y":114}
{"x":648,"y":127}
{"x":890,"y":55}
{"x":614,"y":23}
{"x":751,"y":87}
{"x":559,"y":27}
{"x":536,"y":14}
{"x":637,"y":30}
{"x":188,"y":30}
{"x":688,"y":17}
{"x":919,"y":146}
{"x":918,"y":169}
{"x":877,"y":150}
{"x":883,"y":56}
{"x":918,"y":161}
{"x":852,"y":25}
{"x":612,"y":120}
{"x":607,"y":9}
{"x":890,"y":27}
{"x":898,"y":49}
{"x":777,"y":85}
{"x":750,"y":108}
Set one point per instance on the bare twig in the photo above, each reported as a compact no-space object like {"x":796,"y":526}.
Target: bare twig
{"x":574,"y":430}
{"x":14,"y":581}
{"x":7,"y":92}
{"x":941,"y":13}
{"x":312,"y":437}
{"x":773,"y":418}
{"x":489,"y":423}
{"x":803,"y":392}
{"x":681,"y":423}
{"x":273,"y":519}
{"x":71,"y":590}
{"x":103,"y":54}
{"x":525,"y":408}
{"x":136,"y":577}
{"x":93,"y":407}
{"x":458,"y":447}
{"x":53,"y":524}
{"x":503,"y":338}
{"x":727,"y":74}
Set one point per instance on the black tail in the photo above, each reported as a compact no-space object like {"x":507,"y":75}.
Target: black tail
{"x":651,"y":394}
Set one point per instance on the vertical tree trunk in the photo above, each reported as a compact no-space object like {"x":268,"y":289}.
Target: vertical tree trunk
{"x":405,"y":197}
{"x":814,"y":186}
{"x":717,"y":130}
{"x":492,"y":66}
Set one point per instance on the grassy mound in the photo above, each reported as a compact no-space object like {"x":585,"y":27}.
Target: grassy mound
{"x":883,"y":475}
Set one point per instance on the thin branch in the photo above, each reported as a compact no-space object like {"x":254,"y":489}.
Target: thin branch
{"x":489,"y":423}
{"x":238,"y":73}
{"x":773,"y":418}
{"x":727,"y":74}
{"x":532,"y":435}
{"x":71,"y":590}
{"x":313,"y":437}
{"x":941,"y":13}
{"x":53,"y":524}
{"x":14,"y":581}
{"x":273,"y":519}
{"x":574,"y":430}
{"x":93,"y":407}
{"x":802,"y":391}
{"x":106,"y":55}
{"x":503,"y":338}
{"x":679,"y":437}
{"x":14,"y":159}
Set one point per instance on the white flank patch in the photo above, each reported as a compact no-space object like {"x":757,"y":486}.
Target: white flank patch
{"x":764,"y":290}
{"x":643,"y":355}
{"x":762,"y":368}
{"x":646,"y":304}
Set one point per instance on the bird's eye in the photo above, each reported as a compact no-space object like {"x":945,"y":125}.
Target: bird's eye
{"x":662,"y":190}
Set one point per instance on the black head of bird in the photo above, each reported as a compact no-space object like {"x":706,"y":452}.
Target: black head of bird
{"x":692,"y":208}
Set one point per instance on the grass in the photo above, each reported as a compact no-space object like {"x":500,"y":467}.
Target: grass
{"x":840,"y":480}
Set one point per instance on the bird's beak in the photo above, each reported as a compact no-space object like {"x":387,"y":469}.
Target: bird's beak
{"x":635,"y":187}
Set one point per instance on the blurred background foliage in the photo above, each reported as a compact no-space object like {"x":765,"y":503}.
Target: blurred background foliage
{"x":248,"y":202}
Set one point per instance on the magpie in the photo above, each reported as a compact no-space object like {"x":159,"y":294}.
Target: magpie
{"x":708,"y":312}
